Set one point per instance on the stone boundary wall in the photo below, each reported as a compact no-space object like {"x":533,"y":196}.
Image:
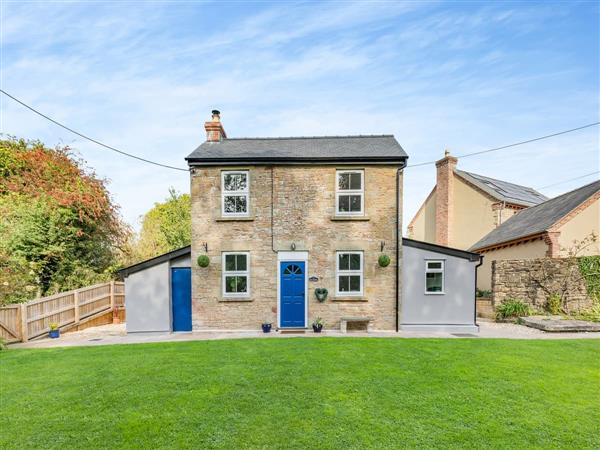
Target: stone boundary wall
{"x":519,"y":279}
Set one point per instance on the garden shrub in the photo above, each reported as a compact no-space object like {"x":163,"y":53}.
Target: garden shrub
{"x":554,"y":304}
{"x":512,"y":308}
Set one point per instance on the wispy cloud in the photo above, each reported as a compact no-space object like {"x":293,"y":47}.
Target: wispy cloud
{"x":144,"y":77}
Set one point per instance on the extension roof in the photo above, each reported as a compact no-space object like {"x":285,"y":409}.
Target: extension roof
{"x":174,"y":254}
{"x":504,"y":191}
{"x":539,"y":218}
{"x":441,"y":249}
{"x":299,"y":150}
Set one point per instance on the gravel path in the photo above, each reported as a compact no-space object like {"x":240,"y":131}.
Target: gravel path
{"x":115,"y":334}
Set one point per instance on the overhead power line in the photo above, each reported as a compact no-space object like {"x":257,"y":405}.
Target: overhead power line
{"x":185,"y":170}
{"x":139,"y":158}
{"x":570,"y":179}
{"x":466,"y":155}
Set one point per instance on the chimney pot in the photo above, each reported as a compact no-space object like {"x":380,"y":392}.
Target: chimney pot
{"x":214,"y":129}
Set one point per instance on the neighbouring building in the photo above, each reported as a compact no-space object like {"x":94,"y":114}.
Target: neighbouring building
{"x":463,"y":207}
{"x":549,"y":229}
{"x":277,"y":220}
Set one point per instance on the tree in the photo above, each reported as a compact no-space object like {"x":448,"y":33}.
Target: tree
{"x":60,"y":229}
{"x":167,"y":226}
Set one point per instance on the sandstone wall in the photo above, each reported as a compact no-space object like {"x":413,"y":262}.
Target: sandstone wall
{"x":303,"y":214}
{"x":519,"y":279}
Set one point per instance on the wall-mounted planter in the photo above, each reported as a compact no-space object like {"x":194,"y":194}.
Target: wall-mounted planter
{"x":321,"y":294}
{"x":203,"y":261}
{"x":383,"y":260}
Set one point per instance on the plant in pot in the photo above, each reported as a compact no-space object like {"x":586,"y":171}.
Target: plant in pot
{"x":266,"y":326}
{"x":317,"y":325}
{"x":203,"y":260}
{"x":54,"y":331}
{"x":383,"y":260}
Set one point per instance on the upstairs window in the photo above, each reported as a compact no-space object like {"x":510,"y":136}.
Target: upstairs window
{"x":235,"y":193}
{"x":434,"y":277}
{"x":349,"y":273}
{"x":236,"y":275}
{"x":349,"y":193}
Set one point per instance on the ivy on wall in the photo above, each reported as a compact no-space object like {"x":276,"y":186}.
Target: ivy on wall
{"x":589,"y":266}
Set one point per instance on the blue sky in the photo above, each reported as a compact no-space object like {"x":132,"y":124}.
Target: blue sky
{"x":144,"y":77}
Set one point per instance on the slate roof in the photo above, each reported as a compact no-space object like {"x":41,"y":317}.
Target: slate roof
{"x":539,"y":218}
{"x":377,"y":148}
{"x":504,"y":191}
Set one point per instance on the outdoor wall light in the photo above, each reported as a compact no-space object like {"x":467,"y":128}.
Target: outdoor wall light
{"x":293,"y":246}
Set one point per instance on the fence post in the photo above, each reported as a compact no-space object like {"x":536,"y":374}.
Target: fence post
{"x":112,"y":295}
{"x":24,"y":331}
{"x":76,"y":305}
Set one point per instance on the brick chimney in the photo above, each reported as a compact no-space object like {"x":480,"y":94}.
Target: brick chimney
{"x":214,"y":129}
{"x":444,"y":199}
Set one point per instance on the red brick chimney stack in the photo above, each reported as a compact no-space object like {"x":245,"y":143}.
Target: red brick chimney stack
{"x":214,"y":128}
{"x":444,"y":199}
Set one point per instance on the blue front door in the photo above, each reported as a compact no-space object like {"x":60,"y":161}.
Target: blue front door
{"x":181,"y":298}
{"x":293,"y":294}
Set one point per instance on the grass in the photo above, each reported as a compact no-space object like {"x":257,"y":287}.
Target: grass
{"x":304,"y":393}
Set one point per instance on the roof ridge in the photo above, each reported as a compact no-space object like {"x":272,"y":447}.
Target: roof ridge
{"x":309,"y":137}
{"x":498,"y":179}
{"x":560,"y":196}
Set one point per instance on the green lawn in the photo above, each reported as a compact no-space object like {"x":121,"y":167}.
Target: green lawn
{"x":304,"y":393}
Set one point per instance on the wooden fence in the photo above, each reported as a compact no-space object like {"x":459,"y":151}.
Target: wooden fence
{"x":26,"y":321}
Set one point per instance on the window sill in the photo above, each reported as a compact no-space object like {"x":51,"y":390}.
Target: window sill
{"x":234,"y":299}
{"x":350,"y":298}
{"x":435,"y":293}
{"x":349,"y":218}
{"x":235,"y":219}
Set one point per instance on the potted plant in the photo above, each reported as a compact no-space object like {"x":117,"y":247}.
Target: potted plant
{"x":54,"y":331}
{"x":266,"y":326}
{"x":203,"y":260}
{"x":317,"y":325}
{"x":383,"y":260}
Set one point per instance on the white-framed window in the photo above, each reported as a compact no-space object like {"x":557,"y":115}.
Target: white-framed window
{"x":349,"y":273}
{"x":350,"y":193}
{"x":236,"y":274}
{"x":235,"y":193}
{"x":434,"y":277}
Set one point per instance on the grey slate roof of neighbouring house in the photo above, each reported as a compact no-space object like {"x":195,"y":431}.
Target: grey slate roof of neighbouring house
{"x":377,"y":148}
{"x":539,"y":218}
{"x":504,"y":191}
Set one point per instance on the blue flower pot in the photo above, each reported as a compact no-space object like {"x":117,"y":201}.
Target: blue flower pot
{"x":54,"y":334}
{"x":266,"y":327}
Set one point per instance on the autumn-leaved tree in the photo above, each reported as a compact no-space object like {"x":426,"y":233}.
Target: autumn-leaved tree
{"x":167,"y":226}
{"x":60,"y":229}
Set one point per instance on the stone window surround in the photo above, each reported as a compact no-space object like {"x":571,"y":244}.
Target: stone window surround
{"x":224,"y":273}
{"x":442,"y":271}
{"x":343,"y":295}
{"x":245,"y":193}
{"x":360,"y":192}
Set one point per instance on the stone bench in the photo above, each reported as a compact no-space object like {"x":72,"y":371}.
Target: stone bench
{"x":345,"y":320}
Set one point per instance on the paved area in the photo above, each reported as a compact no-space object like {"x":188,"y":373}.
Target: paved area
{"x":558,"y":324}
{"x":115,"y":334}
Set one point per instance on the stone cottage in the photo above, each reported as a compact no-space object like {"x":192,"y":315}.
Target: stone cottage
{"x":324,"y":206}
{"x":276,"y":221}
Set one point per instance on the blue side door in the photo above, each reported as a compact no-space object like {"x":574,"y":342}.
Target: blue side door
{"x":181,"y":298}
{"x":293,"y":294}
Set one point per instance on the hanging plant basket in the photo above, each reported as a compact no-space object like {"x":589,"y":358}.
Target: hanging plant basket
{"x":321,"y":294}
{"x":384,"y":260}
{"x":203,"y":260}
